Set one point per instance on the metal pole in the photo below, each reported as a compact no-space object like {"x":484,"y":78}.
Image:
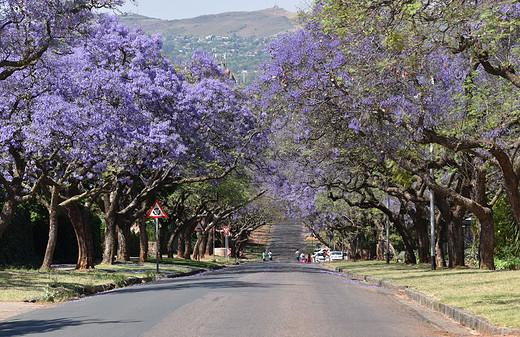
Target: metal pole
{"x":198,"y":242}
{"x":227,"y":247}
{"x":432,"y":220}
{"x":157,"y":243}
{"x":387,"y":230}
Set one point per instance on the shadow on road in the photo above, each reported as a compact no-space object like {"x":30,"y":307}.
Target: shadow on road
{"x":24,"y":327}
{"x":222,"y":279}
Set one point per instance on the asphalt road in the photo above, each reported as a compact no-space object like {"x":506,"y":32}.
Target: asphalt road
{"x":275,"y":298}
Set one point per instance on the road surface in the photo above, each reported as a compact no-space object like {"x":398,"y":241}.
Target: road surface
{"x":278,"y":298}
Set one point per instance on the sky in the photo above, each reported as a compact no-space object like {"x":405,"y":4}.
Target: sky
{"x":183,"y":9}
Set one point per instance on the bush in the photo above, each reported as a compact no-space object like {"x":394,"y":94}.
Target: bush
{"x":16,"y":243}
{"x":512,"y":263}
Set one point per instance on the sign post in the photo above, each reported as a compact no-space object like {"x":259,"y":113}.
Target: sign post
{"x":226,"y":235}
{"x":156,"y":213}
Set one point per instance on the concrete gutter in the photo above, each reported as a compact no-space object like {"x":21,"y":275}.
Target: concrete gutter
{"x":459,"y":315}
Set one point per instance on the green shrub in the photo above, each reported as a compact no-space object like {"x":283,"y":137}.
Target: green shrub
{"x":53,"y":293}
{"x":512,"y":263}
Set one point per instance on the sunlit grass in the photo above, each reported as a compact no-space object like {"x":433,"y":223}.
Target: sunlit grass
{"x":494,"y":295}
{"x":60,"y":284}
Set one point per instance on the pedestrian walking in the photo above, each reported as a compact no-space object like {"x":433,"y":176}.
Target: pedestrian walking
{"x":309,"y":258}
{"x":302,"y":257}
{"x":270,"y":256}
{"x":263,"y":256}
{"x":297,"y":255}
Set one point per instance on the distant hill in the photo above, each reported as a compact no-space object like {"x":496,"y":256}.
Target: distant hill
{"x":235,"y":38}
{"x":259,"y":24}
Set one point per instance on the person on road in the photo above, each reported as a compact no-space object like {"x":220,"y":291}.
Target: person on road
{"x":309,"y":258}
{"x":302,"y":257}
{"x":270,"y":256}
{"x":263,"y":256}
{"x":297,"y":255}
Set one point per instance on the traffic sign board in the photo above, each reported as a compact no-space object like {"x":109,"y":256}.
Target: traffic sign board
{"x":199,"y":227}
{"x":227,"y":231}
{"x":229,"y":252}
{"x":157,"y":211}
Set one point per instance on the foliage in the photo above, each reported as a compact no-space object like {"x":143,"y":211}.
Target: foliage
{"x":100,"y":112}
{"x":355,"y":96}
{"x":507,"y":234}
{"x":511,"y":262}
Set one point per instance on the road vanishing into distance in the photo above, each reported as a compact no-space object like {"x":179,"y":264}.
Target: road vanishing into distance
{"x":277,"y":298}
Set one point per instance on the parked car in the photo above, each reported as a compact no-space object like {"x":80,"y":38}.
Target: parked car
{"x":335,"y":255}
{"x":321,"y":255}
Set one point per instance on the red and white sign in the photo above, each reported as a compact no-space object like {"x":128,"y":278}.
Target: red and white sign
{"x":199,"y":227}
{"x":229,"y":252}
{"x":327,"y":252}
{"x":227,"y":231}
{"x":157,"y":211}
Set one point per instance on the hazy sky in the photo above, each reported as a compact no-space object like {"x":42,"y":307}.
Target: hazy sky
{"x":182,"y":9}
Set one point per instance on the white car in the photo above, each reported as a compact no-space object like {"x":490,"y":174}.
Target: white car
{"x":336,"y":255}
{"x":319,"y":255}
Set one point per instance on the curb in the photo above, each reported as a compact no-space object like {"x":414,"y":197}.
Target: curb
{"x":92,"y":290}
{"x":461,"y":316}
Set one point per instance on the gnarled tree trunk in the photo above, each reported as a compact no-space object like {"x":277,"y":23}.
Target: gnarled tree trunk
{"x":143,"y":240}
{"x":80,"y":222}
{"x":52,"y":208}
{"x":123,"y":241}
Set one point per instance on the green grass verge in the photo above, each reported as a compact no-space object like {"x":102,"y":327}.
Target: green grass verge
{"x":60,"y":284}
{"x":494,"y":295}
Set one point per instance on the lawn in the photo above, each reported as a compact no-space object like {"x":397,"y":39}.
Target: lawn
{"x":61,"y":282}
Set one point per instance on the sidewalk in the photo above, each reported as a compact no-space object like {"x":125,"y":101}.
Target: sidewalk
{"x":9,"y":309}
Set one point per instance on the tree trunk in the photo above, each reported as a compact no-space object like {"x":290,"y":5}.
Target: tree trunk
{"x":453,"y":215}
{"x":196,"y":248}
{"x":123,"y":241}
{"x":52,"y":208}
{"x":423,"y":239}
{"x":209,"y":241}
{"x":80,"y":223}
{"x":487,"y":242}
{"x":7,"y":213}
{"x":13,"y":190}
{"x":110,"y":241}
{"x":187,"y":244}
{"x":203,"y":244}
{"x":181,"y":245}
{"x":409,"y":254}
{"x":486,"y":225}
{"x":381,"y":240}
{"x":440,"y":243}
{"x":111,"y":202}
{"x":456,"y":239}
{"x":143,"y":240}
{"x":171,"y":241}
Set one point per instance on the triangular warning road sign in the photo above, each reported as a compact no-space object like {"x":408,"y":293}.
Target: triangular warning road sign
{"x":199,"y":227}
{"x":157,"y":211}
{"x":226,"y":230}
